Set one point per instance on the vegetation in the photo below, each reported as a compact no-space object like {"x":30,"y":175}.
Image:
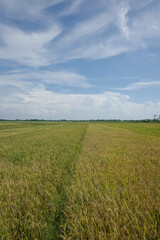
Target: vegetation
{"x":82,"y":180}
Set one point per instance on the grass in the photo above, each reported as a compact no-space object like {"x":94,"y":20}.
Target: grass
{"x":79,"y":181}
{"x":152,"y":129}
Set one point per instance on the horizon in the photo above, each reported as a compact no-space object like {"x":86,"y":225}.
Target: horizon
{"x":79,"y":59}
{"x":157,"y":119}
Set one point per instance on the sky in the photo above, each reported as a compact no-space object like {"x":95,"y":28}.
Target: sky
{"x":79,"y":59}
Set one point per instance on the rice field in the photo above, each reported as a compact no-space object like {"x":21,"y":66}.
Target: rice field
{"x":79,"y":180}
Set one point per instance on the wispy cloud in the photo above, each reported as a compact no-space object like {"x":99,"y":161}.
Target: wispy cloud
{"x":22,"y":10}
{"x":27,"y":48}
{"x":90,"y":39}
{"x":22,"y":79}
{"x":123,"y":19}
{"x":94,"y":37}
{"x":141,"y":84}
{"x":72,"y":8}
{"x":65,"y":78}
{"x":138,"y":5}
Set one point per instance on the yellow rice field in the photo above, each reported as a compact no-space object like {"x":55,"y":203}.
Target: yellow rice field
{"x":79,"y":180}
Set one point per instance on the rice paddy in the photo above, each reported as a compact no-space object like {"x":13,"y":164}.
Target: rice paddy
{"x":82,"y":180}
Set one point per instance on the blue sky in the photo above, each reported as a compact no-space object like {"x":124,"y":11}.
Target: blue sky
{"x":79,"y":59}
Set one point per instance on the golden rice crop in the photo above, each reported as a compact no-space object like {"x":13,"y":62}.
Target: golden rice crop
{"x":115,"y":192}
{"x":33,"y":166}
{"x":79,"y":181}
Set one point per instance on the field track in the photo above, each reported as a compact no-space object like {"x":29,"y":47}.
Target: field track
{"x":79,"y":180}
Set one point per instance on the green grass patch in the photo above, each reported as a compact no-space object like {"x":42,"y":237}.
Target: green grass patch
{"x":152,"y":129}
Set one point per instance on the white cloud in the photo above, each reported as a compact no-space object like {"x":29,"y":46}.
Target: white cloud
{"x":72,"y":8}
{"x":65,"y":78}
{"x":22,"y":9}
{"x":138,"y":5}
{"x":24,"y":79}
{"x":41,"y":103}
{"x":141,"y":84}
{"x":103,"y":49}
{"x":145,"y":27}
{"x":123,"y":19}
{"x":28,"y":48}
{"x":88,"y":28}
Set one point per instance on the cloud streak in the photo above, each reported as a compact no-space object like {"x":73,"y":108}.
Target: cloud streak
{"x":141,"y":84}
{"x":24,"y":10}
{"x":27,"y":48}
{"x":73,"y":8}
{"x":123,"y":19}
{"x":26,"y":78}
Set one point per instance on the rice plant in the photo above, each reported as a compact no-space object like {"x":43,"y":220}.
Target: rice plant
{"x":79,"y":181}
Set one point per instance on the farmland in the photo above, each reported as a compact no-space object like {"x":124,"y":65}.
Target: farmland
{"x":82,"y":180}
